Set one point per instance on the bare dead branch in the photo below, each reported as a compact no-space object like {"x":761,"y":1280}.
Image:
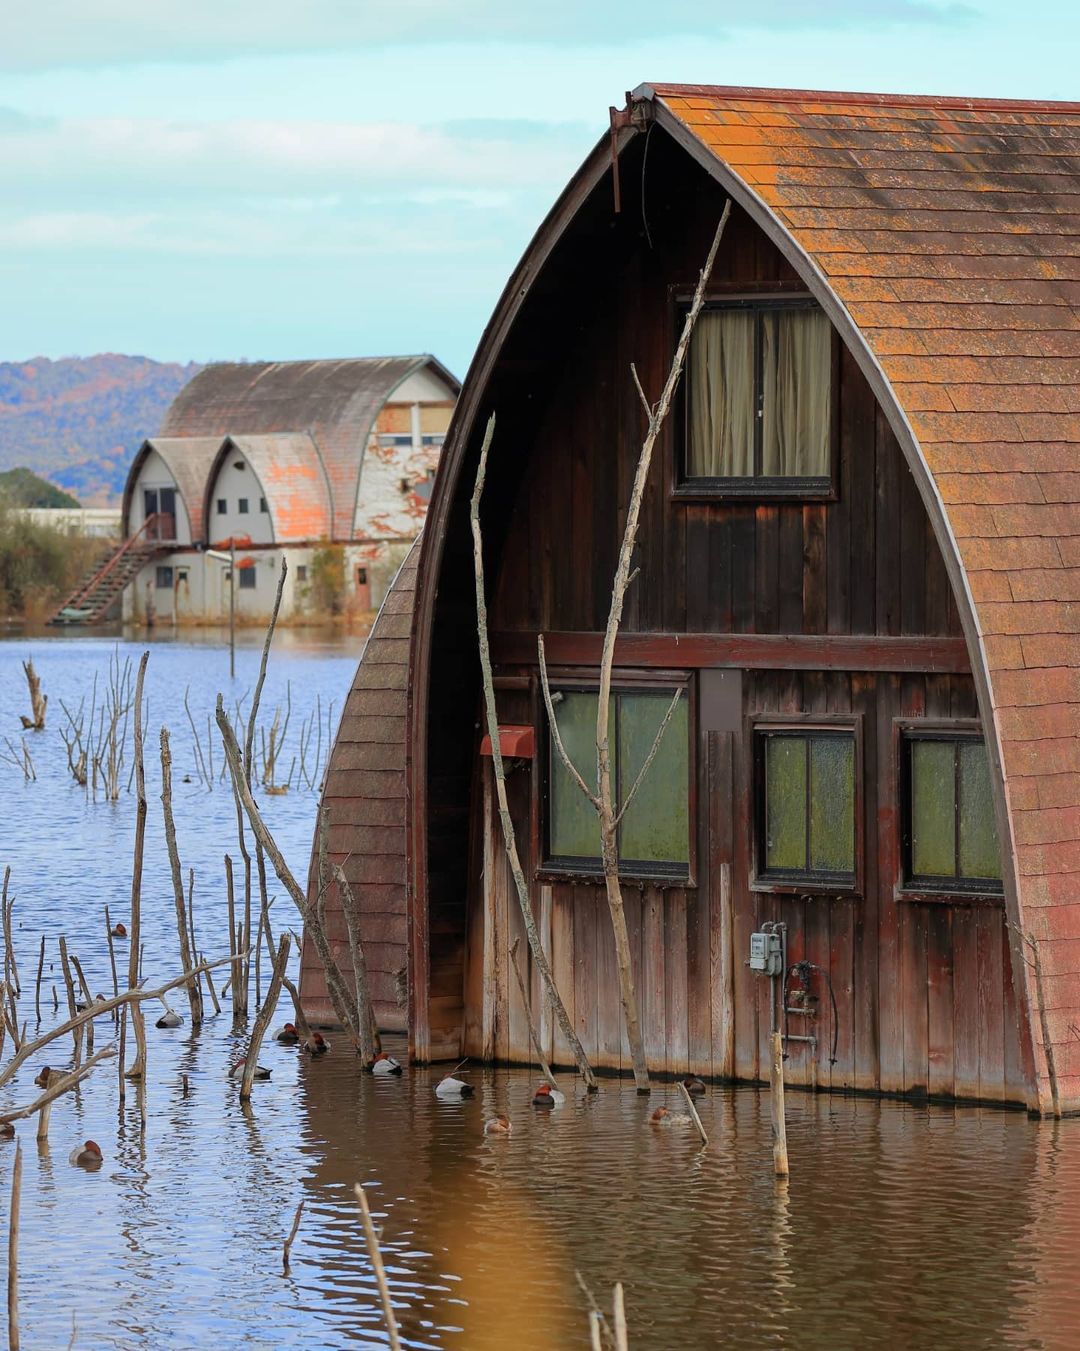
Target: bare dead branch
{"x":553,"y":723}
{"x":650,"y":757}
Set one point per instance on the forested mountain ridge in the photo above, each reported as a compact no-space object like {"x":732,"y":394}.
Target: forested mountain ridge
{"x":79,"y":421}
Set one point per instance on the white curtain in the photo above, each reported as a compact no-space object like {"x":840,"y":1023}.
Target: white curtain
{"x":721,"y":392}
{"x":797,"y":360}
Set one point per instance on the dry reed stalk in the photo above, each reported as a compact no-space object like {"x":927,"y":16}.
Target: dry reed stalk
{"x":38,"y":702}
{"x":112,"y":954}
{"x":509,"y":839}
{"x":69,"y":986}
{"x":210,"y":986}
{"x":89,"y":998}
{"x":694,"y":1117}
{"x":37,"y":987}
{"x":370,"y":1043}
{"x":377,"y":1266}
{"x":187,"y":951}
{"x":619,"y":1319}
{"x":11,"y":968}
{"x":545,"y":1068}
{"x":262,"y":1018}
{"x":342,"y":1000}
{"x":129,"y":997}
{"x":292,"y":1236}
{"x":235,"y":941}
{"x":13,"y":1251}
{"x":134,"y":927}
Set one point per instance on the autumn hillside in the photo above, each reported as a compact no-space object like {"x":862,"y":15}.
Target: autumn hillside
{"x":79,"y":421}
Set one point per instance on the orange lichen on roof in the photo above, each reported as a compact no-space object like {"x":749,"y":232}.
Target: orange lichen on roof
{"x":294,"y":480}
{"x":950,"y":230}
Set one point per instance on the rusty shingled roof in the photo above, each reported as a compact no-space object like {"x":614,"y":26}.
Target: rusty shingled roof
{"x":335,"y":402}
{"x":364,"y":797}
{"x":188,"y":459}
{"x":950,"y":231}
{"x":293,"y":480}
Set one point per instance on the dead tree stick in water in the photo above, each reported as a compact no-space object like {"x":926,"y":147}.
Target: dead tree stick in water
{"x":340,"y":997}
{"x":134,"y":927}
{"x":369,"y":1035}
{"x":302,"y":1025}
{"x":37,"y":987}
{"x":377,"y":1267}
{"x":210,"y":986}
{"x":84,"y":985}
{"x":69,"y":986}
{"x":135,"y":996}
{"x":262,"y":1020}
{"x":11,"y":968}
{"x":545,"y":1068}
{"x":694,"y":1117}
{"x":187,"y":953}
{"x":112,"y":962}
{"x":292,"y":1236}
{"x":58,"y":1085}
{"x":235,"y":943}
{"x":509,"y":838}
{"x":13,"y":1252}
{"x":38,"y":701}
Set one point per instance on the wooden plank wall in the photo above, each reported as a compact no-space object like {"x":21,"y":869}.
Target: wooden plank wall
{"x":924,"y":992}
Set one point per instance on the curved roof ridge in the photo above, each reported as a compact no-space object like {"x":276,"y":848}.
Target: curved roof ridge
{"x":863,"y":98}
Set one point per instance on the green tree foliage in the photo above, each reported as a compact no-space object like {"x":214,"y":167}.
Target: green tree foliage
{"x":39,"y":564}
{"x":326,"y":579}
{"x":24,"y":489}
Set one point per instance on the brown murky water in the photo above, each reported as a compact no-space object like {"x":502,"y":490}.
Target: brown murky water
{"x":903,"y":1226}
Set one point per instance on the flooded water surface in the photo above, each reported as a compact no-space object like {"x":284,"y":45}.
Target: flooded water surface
{"x":903,"y":1225}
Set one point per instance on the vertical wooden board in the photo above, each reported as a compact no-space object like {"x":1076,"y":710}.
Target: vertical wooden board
{"x":990,"y":921}
{"x":767,"y":568}
{"x":586,"y":903}
{"x":859,"y":415}
{"x":881,"y":831}
{"x":815,"y":589}
{"x":609,"y":1017}
{"x":804,"y":917}
{"x":720,"y":572}
{"x":504,"y":883}
{"x":675,"y":980}
{"x":914,"y":538}
{"x":699,"y":1026}
{"x":966,"y":1012}
{"x":743,"y":569}
{"x":697,"y":578}
{"x":939,"y":1001}
{"x":915,"y":1011}
{"x":634,"y":900}
{"x":540,"y":1003}
{"x":520,"y":1048}
{"x":1016,"y":1076}
{"x":841,"y":968}
{"x":887,"y":539}
{"x":654,"y":998}
{"x":745,"y":909}
{"x":838,"y":535}
{"x":720,"y":805}
{"x":790,"y":570}
{"x":562,"y":963}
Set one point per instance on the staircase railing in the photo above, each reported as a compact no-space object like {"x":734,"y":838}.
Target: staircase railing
{"x":96,"y":578}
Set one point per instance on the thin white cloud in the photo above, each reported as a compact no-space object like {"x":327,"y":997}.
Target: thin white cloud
{"x":91,"y":33}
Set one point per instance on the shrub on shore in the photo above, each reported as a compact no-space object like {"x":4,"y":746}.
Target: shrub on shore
{"x":39,"y":564}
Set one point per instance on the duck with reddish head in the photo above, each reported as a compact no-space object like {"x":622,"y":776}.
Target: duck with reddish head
{"x":498,"y":1125}
{"x":87,"y":1156}
{"x":385,"y":1064}
{"x":287,"y":1035}
{"x":546,"y":1096}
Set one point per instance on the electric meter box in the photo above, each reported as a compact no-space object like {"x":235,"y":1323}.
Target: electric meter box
{"x":766,"y":953}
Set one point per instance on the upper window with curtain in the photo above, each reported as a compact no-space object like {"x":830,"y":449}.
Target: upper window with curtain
{"x":758,"y":401}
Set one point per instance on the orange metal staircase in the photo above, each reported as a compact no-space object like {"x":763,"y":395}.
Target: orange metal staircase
{"x":90,"y":602}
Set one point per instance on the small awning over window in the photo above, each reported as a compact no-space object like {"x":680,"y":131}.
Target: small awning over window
{"x":514,"y":742}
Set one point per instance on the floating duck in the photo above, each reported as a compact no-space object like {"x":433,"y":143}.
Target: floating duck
{"x":82,"y":1006}
{"x":287,"y":1034}
{"x":695,"y":1087}
{"x":87,"y":1156}
{"x":318,"y":1045}
{"x":663,"y":1117}
{"x":170,"y":1018}
{"x":546,"y":1096}
{"x":42,"y":1081}
{"x":118,"y":931}
{"x":498,"y":1125}
{"x":237,"y":1071}
{"x":7,"y":1130}
{"x":385,"y":1064}
{"x":452,"y":1088}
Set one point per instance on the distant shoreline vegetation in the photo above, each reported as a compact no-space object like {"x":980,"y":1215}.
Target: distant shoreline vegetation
{"x":39,"y":564}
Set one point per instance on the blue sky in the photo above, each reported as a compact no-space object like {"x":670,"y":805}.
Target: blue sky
{"x":310,"y":178}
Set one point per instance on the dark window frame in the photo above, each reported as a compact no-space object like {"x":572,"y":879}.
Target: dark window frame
{"x":553,"y":868}
{"x":222,"y":506}
{"x":244,"y":584}
{"x":263,"y":508}
{"x":159,"y":573}
{"x":824,"y":488}
{"x":242,"y":506}
{"x":909,"y":885}
{"x":776,"y":882}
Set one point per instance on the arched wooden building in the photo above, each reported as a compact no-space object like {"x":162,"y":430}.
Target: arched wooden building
{"x":859,"y":557}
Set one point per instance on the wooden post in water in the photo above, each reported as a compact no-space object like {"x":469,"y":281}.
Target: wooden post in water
{"x":776,"y":1102}
{"x":13,"y":1252}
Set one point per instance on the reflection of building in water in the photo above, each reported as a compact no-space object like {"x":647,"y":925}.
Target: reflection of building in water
{"x":329,"y":463}
{"x":851,"y":587}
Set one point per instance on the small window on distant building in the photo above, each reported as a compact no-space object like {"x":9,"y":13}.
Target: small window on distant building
{"x":301,"y":572}
{"x":262,"y":505}
{"x":247,"y":579}
{"x":361,"y":576}
{"x":238,"y":464}
{"x":221,"y":506}
{"x":181,"y":576}
{"x":164,"y":578}
{"x":406,"y":486}
{"x":242,"y":506}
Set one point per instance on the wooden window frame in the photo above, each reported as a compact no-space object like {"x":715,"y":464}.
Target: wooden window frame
{"x":755,"y":728}
{"x":906,"y":886}
{"x":587,"y":680}
{"x":824,"y":488}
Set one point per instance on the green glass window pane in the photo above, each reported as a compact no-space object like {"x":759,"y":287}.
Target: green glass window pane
{"x":656,"y":827}
{"x":933,"y":838}
{"x":832,"y":804}
{"x":979,"y":855}
{"x":573,"y":828}
{"x":785,"y":802}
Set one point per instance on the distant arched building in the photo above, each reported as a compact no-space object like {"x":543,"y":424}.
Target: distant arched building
{"x":859,"y":560}
{"x":329,"y":461}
